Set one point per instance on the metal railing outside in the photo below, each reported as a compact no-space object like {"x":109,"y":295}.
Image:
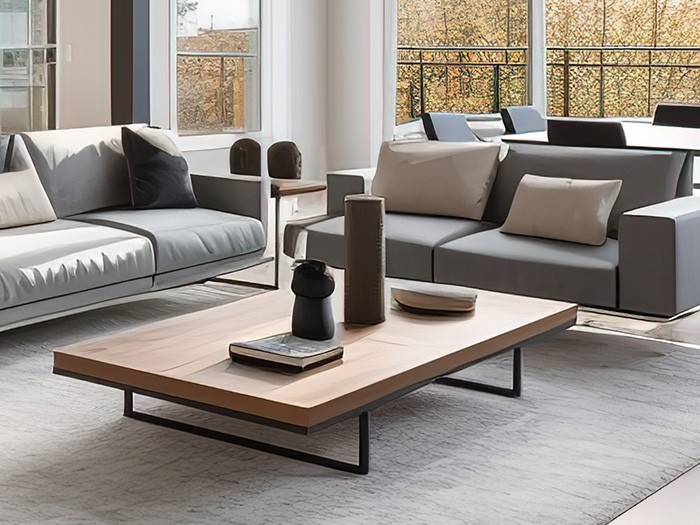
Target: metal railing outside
{"x":642,"y":59}
{"x":225,"y":83}
{"x":594,"y":59}
{"x":493,"y":58}
{"x":226,"y":110}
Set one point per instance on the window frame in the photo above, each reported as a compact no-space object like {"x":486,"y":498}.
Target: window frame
{"x":220,"y":140}
{"x":536,"y":72}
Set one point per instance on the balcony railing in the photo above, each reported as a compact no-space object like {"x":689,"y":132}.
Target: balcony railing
{"x":212,"y":90}
{"x":460,"y":79}
{"x":614,"y":81}
{"x":582,"y":81}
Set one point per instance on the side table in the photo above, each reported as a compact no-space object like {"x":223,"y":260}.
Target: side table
{"x":288,"y":188}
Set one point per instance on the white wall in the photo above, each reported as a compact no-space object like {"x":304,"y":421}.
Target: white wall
{"x":355,"y":82}
{"x":159,"y":57}
{"x":83,"y":72}
{"x":309,"y":59}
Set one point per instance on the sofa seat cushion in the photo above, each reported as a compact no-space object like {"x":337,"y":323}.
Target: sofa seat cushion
{"x":184,"y":238}
{"x":410,"y":240}
{"x":63,"y":257}
{"x":530,"y":266}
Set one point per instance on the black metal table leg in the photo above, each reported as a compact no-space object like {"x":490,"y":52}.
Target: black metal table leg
{"x":128,"y":403}
{"x":514,"y":391}
{"x":361,"y":467}
{"x":277,"y":242}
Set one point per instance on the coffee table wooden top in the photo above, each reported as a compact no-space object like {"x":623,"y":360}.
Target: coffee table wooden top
{"x":187,"y":357}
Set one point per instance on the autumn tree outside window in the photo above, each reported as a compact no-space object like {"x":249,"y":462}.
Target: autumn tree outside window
{"x":463,"y":56}
{"x":605,"y":58}
{"x":218,"y":66}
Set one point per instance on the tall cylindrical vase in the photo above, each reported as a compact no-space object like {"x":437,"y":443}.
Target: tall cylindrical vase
{"x":364,"y":259}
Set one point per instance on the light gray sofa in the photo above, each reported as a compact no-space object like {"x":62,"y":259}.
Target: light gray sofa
{"x":649,"y":264}
{"x":99,"y":250}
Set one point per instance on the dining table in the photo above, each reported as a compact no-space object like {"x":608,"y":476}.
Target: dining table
{"x":639,"y":135}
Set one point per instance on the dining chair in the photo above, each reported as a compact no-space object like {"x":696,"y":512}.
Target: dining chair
{"x":522,"y":119}
{"x":244,"y":157}
{"x":678,"y":115}
{"x":596,"y":133}
{"x":284,"y":168}
{"x":448,"y":127}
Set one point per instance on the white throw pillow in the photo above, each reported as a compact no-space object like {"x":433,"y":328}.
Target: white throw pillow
{"x":453,"y":179}
{"x":564,"y":209}
{"x":23,"y":200}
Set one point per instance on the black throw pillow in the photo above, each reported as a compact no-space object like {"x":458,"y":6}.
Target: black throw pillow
{"x":158,"y":173}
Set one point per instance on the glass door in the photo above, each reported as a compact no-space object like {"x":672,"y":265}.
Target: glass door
{"x":27,"y":65}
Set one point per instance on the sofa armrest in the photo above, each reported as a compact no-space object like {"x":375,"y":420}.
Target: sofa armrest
{"x":344,"y":183}
{"x":339,"y":185}
{"x":660,"y":258}
{"x":237,"y":194}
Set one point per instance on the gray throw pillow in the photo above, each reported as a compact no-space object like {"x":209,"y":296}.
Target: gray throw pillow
{"x":158,"y":173}
{"x":571,"y":210}
{"x":23,"y":200}
{"x":452,"y":179}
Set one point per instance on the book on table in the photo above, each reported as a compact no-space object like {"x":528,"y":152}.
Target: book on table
{"x":285,"y":352}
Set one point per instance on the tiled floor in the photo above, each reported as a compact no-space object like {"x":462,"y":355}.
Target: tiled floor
{"x":675,"y":504}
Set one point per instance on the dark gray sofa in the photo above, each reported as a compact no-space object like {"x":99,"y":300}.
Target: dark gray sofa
{"x":99,"y":250}
{"x":648,"y":265}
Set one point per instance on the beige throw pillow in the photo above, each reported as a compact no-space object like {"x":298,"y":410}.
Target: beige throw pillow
{"x":23,"y":200}
{"x":453,"y":179}
{"x":564,"y":209}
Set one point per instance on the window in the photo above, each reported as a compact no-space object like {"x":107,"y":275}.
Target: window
{"x":466,"y":56}
{"x":611,"y":58}
{"x":604,"y":58}
{"x":27,"y":65}
{"x":218,"y":66}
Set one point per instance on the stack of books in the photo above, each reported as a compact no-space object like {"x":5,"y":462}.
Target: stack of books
{"x":285,"y":352}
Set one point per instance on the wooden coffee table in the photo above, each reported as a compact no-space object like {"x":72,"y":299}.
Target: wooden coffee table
{"x":185,"y":360}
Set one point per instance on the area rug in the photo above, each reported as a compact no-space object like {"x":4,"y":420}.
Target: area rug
{"x":604,"y":421}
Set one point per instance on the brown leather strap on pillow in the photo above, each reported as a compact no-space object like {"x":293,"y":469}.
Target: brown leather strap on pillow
{"x":8,"y":153}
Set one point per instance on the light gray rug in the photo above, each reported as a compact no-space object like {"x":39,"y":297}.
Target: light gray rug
{"x":604,"y":422}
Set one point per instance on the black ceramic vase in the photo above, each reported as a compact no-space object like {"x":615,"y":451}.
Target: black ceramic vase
{"x":313,"y":286}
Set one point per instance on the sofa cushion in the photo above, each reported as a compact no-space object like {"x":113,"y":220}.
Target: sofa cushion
{"x":63,"y":257}
{"x":159,"y":176}
{"x":564,"y":209}
{"x":81,"y":169}
{"x":410,"y":240}
{"x":436,"y":178}
{"x":23,"y":200}
{"x":531,"y":266}
{"x":648,"y":177}
{"x":183,"y":238}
